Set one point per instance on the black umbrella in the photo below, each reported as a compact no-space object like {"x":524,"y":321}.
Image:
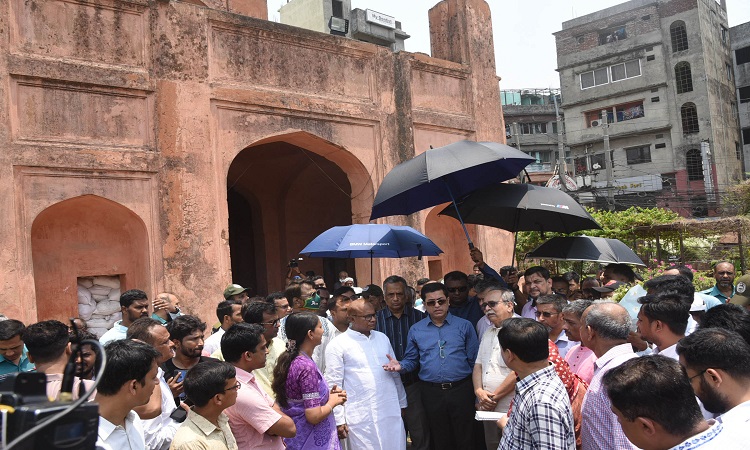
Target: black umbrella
{"x":585,"y":248}
{"x":522,"y":207}
{"x":443,"y":174}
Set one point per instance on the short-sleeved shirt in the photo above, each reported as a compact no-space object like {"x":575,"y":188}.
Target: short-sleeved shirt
{"x":252,"y":415}
{"x":494,"y":370}
{"x":581,"y":361}
{"x":197,"y":433}
{"x":24,"y":365}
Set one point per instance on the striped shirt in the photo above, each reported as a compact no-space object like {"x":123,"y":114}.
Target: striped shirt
{"x":397,"y":330}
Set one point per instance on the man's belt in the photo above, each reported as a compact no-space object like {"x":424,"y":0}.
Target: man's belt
{"x":448,"y":385}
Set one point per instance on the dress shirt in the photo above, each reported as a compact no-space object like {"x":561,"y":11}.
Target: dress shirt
{"x":669,"y":352}
{"x":581,"y":361}
{"x":454,"y":362}
{"x":715,"y":292}
{"x":397,"y":330}
{"x":172,"y":316}
{"x":494,"y":370}
{"x":117,"y":332}
{"x":213,"y":342}
{"x":717,"y":436}
{"x":264,"y":375}
{"x":542,"y":417}
{"x":564,"y":344}
{"x":128,"y":436}
{"x":24,"y":365}
{"x":529,"y":309}
{"x":737,"y":417}
{"x":197,"y":433}
{"x":252,"y":415}
{"x":160,"y":430}
{"x":54,"y":385}
{"x":483,"y":325}
{"x":470,"y":311}
{"x":600,"y":429}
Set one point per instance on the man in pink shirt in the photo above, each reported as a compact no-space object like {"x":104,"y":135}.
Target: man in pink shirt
{"x":255,"y":419}
{"x":580,"y":358}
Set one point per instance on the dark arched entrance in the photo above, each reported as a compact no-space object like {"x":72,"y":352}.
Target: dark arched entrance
{"x":281,"y":193}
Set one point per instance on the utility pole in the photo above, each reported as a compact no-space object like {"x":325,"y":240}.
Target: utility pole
{"x":562,"y":172}
{"x":608,"y":162}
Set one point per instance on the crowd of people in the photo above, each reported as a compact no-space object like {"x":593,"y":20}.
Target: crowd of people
{"x":495,"y":360}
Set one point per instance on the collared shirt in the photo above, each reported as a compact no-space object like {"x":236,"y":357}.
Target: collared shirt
{"x":213,"y":342}
{"x":494,"y":370}
{"x":24,"y":365}
{"x":264,"y":375}
{"x":581,"y":361}
{"x":600,"y":429}
{"x":160,"y":430}
{"x":529,"y":309}
{"x":542,"y":417}
{"x":739,"y":416}
{"x":717,"y":436}
{"x":117,"y":332}
{"x":197,"y":433}
{"x":444,"y":353}
{"x":54,"y":385}
{"x":172,"y":316}
{"x":715,"y":292}
{"x":483,"y":325}
{"x":128,"y":436}
{"x":564,"y":344}
{"x":252,"y":415}
{"x":470,"y":311}
{"x":397,"y":330}
{"x":669,"y":352}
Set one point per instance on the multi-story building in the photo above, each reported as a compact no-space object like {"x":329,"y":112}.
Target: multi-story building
{"x":740,"y":38}
{"x":653,"y":82}
{"x":531,"y":126}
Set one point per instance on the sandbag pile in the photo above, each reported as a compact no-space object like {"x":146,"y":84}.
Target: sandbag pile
{"x":99,"y":302}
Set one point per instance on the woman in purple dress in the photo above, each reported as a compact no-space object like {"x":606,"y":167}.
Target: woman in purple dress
{"x":301,"y":390}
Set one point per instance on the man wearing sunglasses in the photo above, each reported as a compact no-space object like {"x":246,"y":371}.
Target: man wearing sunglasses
{"x":549,"y":313}
{"x":461,"y":303}
{"x":444,"y":348}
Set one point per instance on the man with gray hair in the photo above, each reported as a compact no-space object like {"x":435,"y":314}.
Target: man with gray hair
{"x":604,"y":329}
{"x":580,"y":358}
{"x":549,"y":313}
{"x":482,"y":289}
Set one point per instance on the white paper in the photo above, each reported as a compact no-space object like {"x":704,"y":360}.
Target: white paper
{"x":488,"y":415}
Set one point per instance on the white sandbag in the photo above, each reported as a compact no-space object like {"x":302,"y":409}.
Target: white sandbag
{"x":96,"y":322}
{"x":115,"y":317}
{"x":100,"y":290}
{"x":84,"y":296}
{"x":110,"y":282}
{"x":114,"y":294}
{"x":86,"y":282}
{"x":107,"y":307}
{"x":98,"y":331}
{"x":85,"y":311}
{"x":99,"y":298}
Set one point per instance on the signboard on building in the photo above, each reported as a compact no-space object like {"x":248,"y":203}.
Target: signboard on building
{"x":644,"y":183}
{"x":380,"y":19}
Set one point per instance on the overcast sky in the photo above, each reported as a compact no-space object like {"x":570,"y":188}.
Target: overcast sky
{"x":524,"y":45}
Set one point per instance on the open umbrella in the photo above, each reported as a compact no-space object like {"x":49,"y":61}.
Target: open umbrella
{"x":585,"y":248}
{"x":522,"y":207}
{"x":443,"y":174}
{"x":370,"y":241}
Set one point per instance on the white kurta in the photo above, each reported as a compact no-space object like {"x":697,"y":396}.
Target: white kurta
{"x":374,"y":397}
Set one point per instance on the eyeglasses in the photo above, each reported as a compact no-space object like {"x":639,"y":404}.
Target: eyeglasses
{"x":441,"y":347}
{"x":545,"y":314}
{"x":367,"y":317}
{"x":274,"y":323}
{"x":431,"y":303}
{"x":697,"y":375}
{"x":459,"y":289}
{"x":236,"y":387}
{"x":491,"y":304}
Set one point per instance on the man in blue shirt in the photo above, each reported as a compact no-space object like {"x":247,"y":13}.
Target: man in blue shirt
{"x":461,"y":304}
{"x":12,"y":351}
{"x":724,"y":275}
{"x":444,"y":348}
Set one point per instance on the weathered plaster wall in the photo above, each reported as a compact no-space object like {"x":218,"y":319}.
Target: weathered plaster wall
{"x":157,"y":106}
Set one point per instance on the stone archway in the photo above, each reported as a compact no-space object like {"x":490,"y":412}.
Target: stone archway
{"x":283,"y":191}
{"x":85,"y":236}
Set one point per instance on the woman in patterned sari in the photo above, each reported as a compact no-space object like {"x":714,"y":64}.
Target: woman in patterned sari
{"x":301,"y":390}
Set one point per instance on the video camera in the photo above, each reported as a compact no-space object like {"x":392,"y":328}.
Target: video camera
{"x":24,"y":406}
{"x":294,"y":262}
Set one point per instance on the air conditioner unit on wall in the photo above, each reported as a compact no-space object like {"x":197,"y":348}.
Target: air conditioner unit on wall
{"x":594,"y":123}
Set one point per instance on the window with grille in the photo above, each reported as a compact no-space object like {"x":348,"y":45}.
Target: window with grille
{"x":689,"y":115}
{"x":694,"y":164}
{"x":638,"y":155}
{"x":678,"y":33}
{"x":683,"y":77}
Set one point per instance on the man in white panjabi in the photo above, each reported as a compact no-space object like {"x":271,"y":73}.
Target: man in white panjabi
{"x":371,"y":418}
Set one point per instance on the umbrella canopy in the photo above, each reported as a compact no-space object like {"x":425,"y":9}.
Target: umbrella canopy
{"x":585,"y":248}
{"x":370,"y":241}
{"x":460,"y":168}
{"x":523,"y":207}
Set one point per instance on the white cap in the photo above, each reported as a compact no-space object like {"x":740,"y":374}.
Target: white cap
{"x":698,"y":303}
{"x":357,"y":290}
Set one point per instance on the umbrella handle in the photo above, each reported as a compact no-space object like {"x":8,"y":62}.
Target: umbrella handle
{"x":460,"y":219}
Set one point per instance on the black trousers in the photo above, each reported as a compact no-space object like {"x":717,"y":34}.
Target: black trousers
{"x":451,"y":415}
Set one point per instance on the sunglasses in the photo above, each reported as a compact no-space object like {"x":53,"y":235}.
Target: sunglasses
{"x":459,"y":289}
{"x":440,"y":302}
{"x":545,"y":314}
{"x":367,"y":317}
{"x":491,"y":304}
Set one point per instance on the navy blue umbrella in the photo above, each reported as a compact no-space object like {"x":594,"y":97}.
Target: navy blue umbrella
{"x":585,"y":248}
{"x":370,"y":241}
{"x":443,"y":174}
